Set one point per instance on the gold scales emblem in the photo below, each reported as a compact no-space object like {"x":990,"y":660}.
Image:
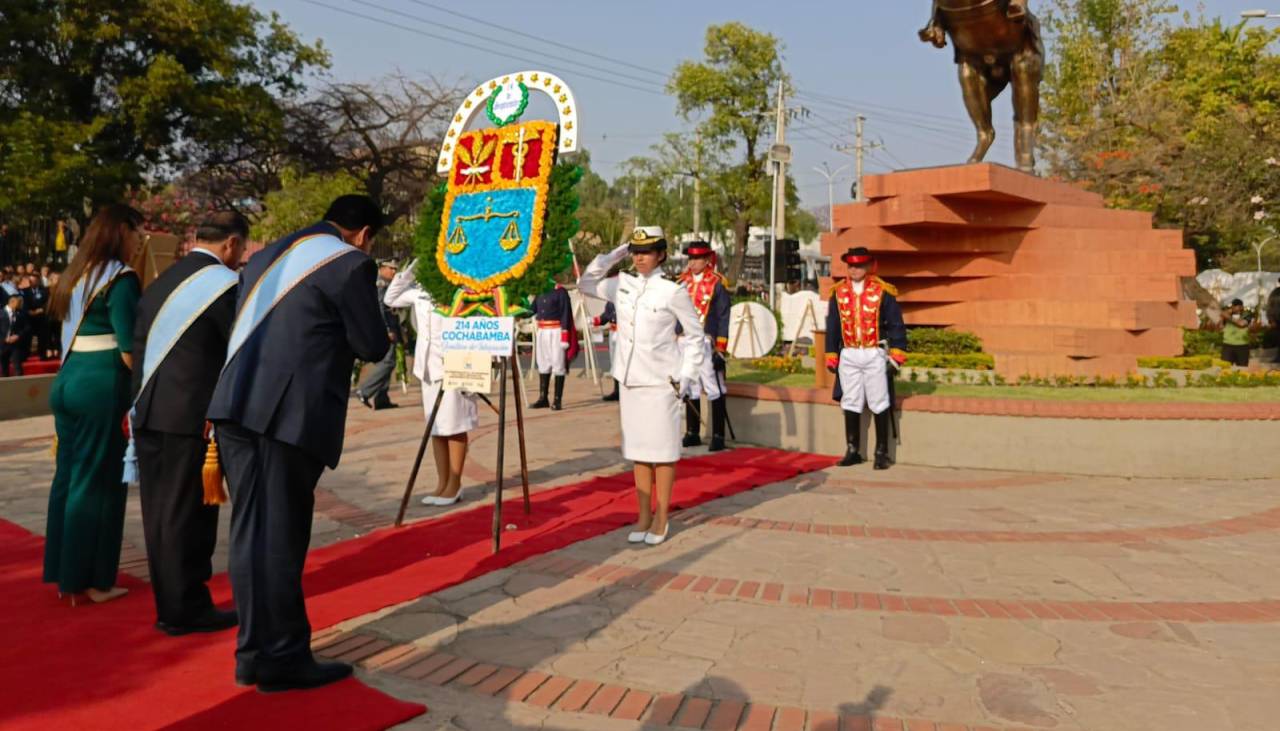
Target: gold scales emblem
{"x":509,"y":240}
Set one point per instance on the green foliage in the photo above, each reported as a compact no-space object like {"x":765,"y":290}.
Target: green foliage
{"x":1184,"y":363}
{"x":1179,"y":119}
{"x":553,"y":258}
{"x":1235,"y":379}
{"x":943,"y":342}
{"x":97,"y":95}
{"x":953,"y":361}
{"x":300,"y":202}
{"x":734,"y":90}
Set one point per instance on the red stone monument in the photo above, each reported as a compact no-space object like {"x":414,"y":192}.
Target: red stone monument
{"x":1053,"y":281}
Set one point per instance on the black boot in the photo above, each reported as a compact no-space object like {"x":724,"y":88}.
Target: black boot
{"x":558,"y":403}
{"x":718,"y":418}
{"x":882,"y":440}
{"x":692,"y":426}
{"x":544,"y":380}
{"x":852,"y":423}
{"x":612,"y":396}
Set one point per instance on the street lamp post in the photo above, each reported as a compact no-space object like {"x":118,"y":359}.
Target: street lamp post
{"x":1258,"y":247}
{"x":825,"y":171}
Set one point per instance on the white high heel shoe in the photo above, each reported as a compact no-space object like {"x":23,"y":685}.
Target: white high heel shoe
{"x":654,"y":539}
{"x":636,"y":536}
{"x":442,"y":502}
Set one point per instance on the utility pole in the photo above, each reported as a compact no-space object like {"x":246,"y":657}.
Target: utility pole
{"x":697,"y":186}
{"x":859,"y":148}
{"x":825,"y":171}
{"x":779,"y":157}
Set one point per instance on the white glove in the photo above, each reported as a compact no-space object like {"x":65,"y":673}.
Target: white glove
{"x":620,"y":253}
{"x":687,"y":388}
{"x":564,"y":345}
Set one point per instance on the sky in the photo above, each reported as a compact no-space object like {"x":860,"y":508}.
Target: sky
{"x":845,"y":58}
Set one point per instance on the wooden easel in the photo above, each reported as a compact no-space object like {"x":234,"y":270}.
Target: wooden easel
{"x":809,"y":315}
{"x":502,"y":440}
{"x":749,"y":322}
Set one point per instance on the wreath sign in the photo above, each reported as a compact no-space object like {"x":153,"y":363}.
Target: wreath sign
{"x":496,"y":233}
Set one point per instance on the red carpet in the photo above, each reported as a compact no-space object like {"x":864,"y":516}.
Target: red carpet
{"x":105,"y":667}
{"x":37,"y":367}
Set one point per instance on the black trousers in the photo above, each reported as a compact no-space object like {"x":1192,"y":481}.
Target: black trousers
{"x":272,"y":487}
{"x":11,"y":358}
{"x":181,"y":531}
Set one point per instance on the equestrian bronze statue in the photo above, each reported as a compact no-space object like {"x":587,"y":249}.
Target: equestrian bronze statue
{"x":997,"y":42}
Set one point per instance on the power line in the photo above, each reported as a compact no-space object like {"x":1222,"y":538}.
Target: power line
{"x":487,"y":49}
{"x":531,"y":36}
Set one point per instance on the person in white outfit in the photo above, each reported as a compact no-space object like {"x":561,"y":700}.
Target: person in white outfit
{"x":458,"y":414}
{"x":654,"y":371}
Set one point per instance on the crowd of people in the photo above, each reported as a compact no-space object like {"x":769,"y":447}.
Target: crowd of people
{"x":26,"y":330}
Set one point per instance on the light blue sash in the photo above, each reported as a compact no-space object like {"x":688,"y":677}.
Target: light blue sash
{"x":81,"y":298}
{"x":303,"y":257}
{"x":180,"y":309}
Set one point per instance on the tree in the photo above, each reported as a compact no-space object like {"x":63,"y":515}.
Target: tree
{"x":100,"y":95}
{"x":733,"y":88}
{"x":1176,"y":120}
{"x":301,"y":201}
{"x":601,"y":215}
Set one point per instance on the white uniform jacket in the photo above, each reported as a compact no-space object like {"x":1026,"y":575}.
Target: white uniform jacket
{"x":428,"y":352}
{"x":648,"y":309}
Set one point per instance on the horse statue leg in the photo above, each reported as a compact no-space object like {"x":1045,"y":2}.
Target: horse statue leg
{"x":1027,"y":68}
{"x":977,"y":100}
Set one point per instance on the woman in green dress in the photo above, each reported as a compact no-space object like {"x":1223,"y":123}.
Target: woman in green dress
{"x":95,"y":300}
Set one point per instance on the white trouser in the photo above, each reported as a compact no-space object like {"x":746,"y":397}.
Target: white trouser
{"x":614,"y":370}
{"x":708,"y":379}
{"x":863,"y":379}
{"x":548,"y":351}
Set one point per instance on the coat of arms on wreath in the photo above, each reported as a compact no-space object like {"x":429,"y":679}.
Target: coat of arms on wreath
{"x":498,"y":230}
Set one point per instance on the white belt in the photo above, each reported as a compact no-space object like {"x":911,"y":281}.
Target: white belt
{"x":93,"y":343}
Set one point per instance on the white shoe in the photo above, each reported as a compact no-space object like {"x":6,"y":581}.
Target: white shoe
{"x":636,"y":536}
{"x":429,"y":500}
{"x":441,"y":502}
{"x":654,"y":539}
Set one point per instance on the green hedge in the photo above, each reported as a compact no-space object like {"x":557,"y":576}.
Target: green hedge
{"x":963,"y":361}
{"x":942,"y":342}
{"x":1184,"y":363}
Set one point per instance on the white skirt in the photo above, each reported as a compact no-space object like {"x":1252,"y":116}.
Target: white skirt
{"x":650,"y":424}
{"x":458,"y":413}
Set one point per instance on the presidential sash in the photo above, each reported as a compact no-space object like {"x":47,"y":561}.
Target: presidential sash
{"x":180,"y":309}
{"x":184,"y":304}
{"x":299,"y":261}
{"x":82,"y":297}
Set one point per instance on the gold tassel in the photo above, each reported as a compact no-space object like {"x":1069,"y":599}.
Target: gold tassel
{"x":53,"y":448}
{"x":214,"y":491}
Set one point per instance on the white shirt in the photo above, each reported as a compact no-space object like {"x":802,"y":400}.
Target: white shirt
{"x":428,"y":352}
{"x":648,"y":308}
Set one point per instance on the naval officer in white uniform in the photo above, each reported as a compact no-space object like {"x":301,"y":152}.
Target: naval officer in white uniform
{"x":654,"y":371}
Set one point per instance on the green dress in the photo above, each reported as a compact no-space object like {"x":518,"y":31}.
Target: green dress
{"x":89,"y":398}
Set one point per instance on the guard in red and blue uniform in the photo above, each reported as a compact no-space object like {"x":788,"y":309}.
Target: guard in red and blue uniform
{"x":554,"y":345}
{"x":711,"y":300}
{"x":865,"y":333}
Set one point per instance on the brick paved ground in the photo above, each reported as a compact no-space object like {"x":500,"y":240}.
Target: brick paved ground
{"x":914,"y":599}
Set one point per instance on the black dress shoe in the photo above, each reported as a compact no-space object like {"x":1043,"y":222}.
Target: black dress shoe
{"x":307,"y":674}
{"x":212,"y":620}
{"x":611,"y":397}
{"x":246,"y":674}
{"x":379,"y":406}
{"x":851,"y":458}
{"x":717,"y":445}
{"x":882,"y":461}
{"x":691,"y":440}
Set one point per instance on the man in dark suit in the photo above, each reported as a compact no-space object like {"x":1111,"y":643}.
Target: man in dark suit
{"x":35,"y":300}
{"x":169,"y":422}
{"x":14,"y":327}
{"x":279,"y":411}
